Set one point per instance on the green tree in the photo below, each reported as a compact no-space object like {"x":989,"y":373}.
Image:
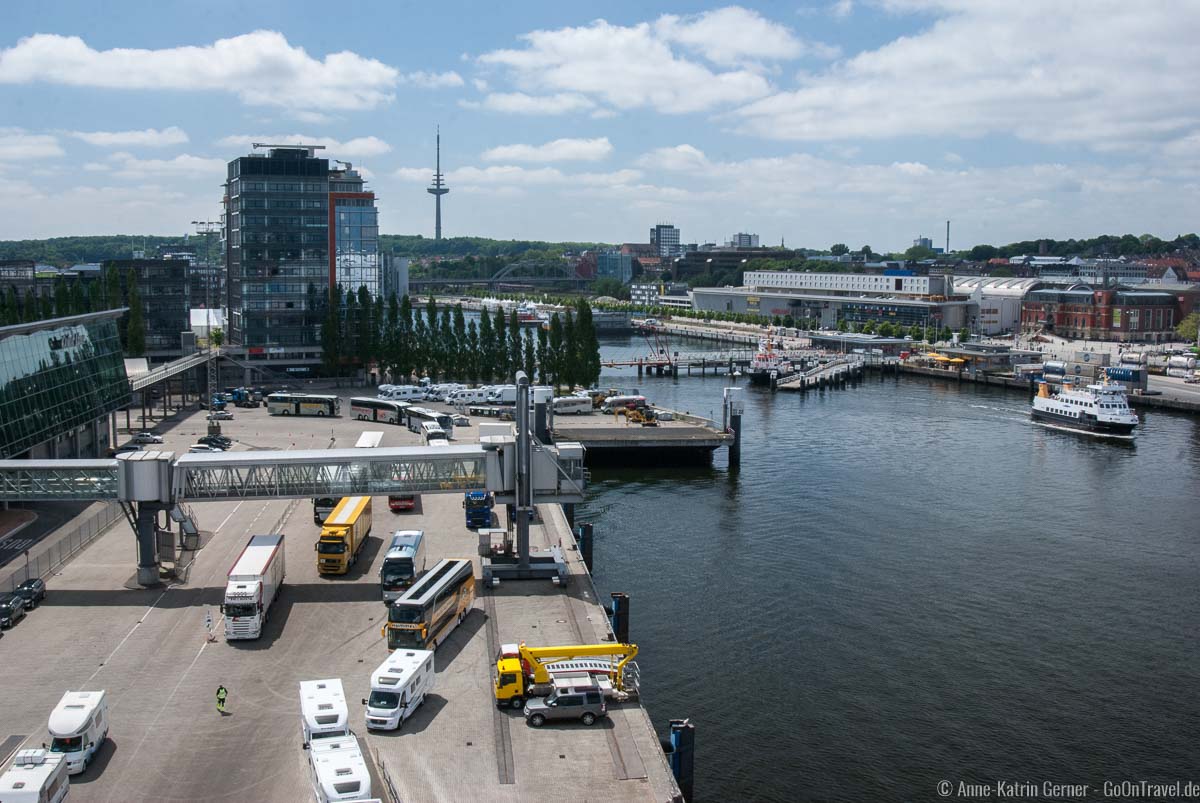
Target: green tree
{"x":365,"y":337}
{"x":500,"y":354}
{"x":543,"y":356}
{"x":1001,"y":272}
{"x":514,"y":343}
{"x":487,"y":348}
{"x":555,"y":349}
{"x":473,"y":351}
{"x":963,"y":334}
{"x":406,"y":355}
{"x":982,"y":253}
{"x":530,"y":357}
{"x":866,"y":251}
{"x":135,"y":344}
{"x":839,"y":249}
{"x":886,"y":329}
{"x":79,"y":302}
{"x":389,"y":339}
{"x":945,"y":334}
{"x":448,"y":346}
{"x":62,"y":298}
{"x":589,"y":345}
{"x":464,"y":352}
{"x":569,"y":363}
{"x":12,"y":311}
{"x":45,"y":307}
{"x":842,"y":326}
{"x":217,"y":337}
{"x":608,"y":286}
{"x":1187,"y":327}
{"x":112,"y":288}
{"x":919,"y":252}
{"x":331,"y":332}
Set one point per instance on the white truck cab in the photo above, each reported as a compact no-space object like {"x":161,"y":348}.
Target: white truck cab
{"x":323,"y":711}
{"x":338,"y":770}
{"x":36,"y":776}
{"x":78,"y":725}
{"x":398,"y":686}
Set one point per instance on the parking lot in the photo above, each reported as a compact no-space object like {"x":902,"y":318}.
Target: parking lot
{"x":148,"y":649}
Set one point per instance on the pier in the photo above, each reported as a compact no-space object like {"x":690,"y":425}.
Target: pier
{"x":612,"y":439}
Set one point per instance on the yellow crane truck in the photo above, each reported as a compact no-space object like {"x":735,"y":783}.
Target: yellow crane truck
{"x":523,"y":671}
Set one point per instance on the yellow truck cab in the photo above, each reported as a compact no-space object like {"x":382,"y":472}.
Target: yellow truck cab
{"x":343,"y":534}
{"x":523,"y":671}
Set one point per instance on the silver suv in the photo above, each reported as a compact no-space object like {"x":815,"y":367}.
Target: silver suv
{"x":582,"y":702}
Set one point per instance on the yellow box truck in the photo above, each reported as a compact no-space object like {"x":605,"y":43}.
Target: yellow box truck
{"x":343,"y":534}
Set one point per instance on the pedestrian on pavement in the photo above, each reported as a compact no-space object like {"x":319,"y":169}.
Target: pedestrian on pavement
{"x":222,"y":693}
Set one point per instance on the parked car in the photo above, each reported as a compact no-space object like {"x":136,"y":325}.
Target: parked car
{"x":146,"y":437}
{"x":32,"y":591}
{"x":585,"y":704}
{"x":220,"y":415}
{"x":219,"y":441}
{"x":12,"y":610}
{"x":129,"y":447}
{"x":202,"y":448}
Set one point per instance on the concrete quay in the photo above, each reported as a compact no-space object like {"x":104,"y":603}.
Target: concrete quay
{"x":612,"y":439}
{"x":148,"y":649}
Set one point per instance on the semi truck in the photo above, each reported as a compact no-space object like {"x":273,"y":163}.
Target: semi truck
{"x":343,"y":535}
{"x":478,"y":506}
{"x":523,"y":671}
{"x":244,"y":397}
{"x":253,"y":585}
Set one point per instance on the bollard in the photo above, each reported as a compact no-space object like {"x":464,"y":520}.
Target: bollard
{"x":584,"y":536}
{"x":620,"y":617}
{"x":682,"y":755}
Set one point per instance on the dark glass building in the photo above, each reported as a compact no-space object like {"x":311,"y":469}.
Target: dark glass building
{"x":293,"y":227}
{"x":59,"y":380}
{"x":165,"y":288}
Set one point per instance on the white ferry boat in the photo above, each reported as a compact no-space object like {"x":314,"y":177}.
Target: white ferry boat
{"x":1099,"y":409}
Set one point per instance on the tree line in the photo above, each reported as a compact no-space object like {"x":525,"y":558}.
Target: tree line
{"x":407,"y":341}
{"x":78,"y":296}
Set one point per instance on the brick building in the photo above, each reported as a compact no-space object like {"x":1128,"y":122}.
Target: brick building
{"x":1115,"y":313}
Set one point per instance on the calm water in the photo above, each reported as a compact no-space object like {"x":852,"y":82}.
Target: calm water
{"x":908,"y":582}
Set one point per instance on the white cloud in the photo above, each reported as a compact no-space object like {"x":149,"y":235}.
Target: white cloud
{"x":735,"y":35}
{"x":261,"y":68}
{"x":182,"y":166}
{"x":516,"y":176}
{"x":413,"y":174}
{"x":681,"y":157}
{"x":479,"y":84}
{"x":149,"y":137}
{"x":998,"y":67}
{"x":359,"y":146}
{"x":559,"y":150}
{"x":842,"y":8}
{"x":629,"y":67}
{"x":521,"y":103}
{"x":18,"y":145}
{"x":432,"y":80}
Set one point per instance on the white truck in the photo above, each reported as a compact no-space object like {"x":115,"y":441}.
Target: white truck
{"x":338,"y":770}
{"x":502,"y":394}
{"x":36,"y":776}
{"x":78,"y":726}
{"x":254,"y":583}
{"x":398,"y":686}
{"x":323,"y":710}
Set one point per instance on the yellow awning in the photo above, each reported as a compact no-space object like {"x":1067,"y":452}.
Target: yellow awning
{"x":942,"y":358}
{"x":956,"y":360}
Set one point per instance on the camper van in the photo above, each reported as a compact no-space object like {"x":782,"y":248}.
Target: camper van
{"x":621,"y":402}
{"x":323,"y":711}
{"x":502,"y":394}
{"x":398,"y":686}
{"x":78,"y":726}
{"x":572,"y":405}
{"x":338,"y":770}
{"x":36,"y":776}
{"x":402,"y":393}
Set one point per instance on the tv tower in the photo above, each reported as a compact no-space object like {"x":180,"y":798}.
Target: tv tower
{"x":439,"y":188}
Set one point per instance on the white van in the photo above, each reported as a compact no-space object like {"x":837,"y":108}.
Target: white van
{"x":323,"y":711}
{"x":403,"y":393}
{"x":432,"y":432}
{"x":398,"y":686}
{"x":338,"y":770}
{"x":78,"y":725}
{"x":36,"y":776}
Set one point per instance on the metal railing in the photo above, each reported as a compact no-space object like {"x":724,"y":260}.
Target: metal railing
{"x":62,"y":550}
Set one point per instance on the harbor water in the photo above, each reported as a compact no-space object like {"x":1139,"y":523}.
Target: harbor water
{"x":906,"y":582}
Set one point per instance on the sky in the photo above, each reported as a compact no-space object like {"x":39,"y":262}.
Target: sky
{"x":868,"y":122}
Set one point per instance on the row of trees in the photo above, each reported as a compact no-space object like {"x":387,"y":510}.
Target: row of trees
{"x":76,"y":297}
{"x":441,"y":343}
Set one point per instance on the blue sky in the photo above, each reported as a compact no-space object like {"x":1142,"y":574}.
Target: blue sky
{"x":858,"y":121}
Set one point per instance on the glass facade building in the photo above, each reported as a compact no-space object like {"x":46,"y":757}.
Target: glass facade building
{"x":56,"y":377}
{"x":165,"y":288}
{"x":287,"y":242}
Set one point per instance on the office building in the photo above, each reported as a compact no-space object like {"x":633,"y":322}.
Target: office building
{"x":614,"y":265}
{"x":665,"y":239}
{"x":741,"y":240}
{"x":165,"y":289}
{"x":294,"y":228}
{"x":59,"y":381}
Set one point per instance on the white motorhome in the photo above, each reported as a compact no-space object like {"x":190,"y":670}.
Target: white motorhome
{"x":338,"y":770}
{"x":572,"y":405}
{"x":403,"y":393}
{"x":323,"y":711}
{"x":253,"y":586}
{"x":78,"y":726}
{"x":398,"y":686}
{"x":617,"y":402}
{"x":469,"y":396}
{"x":36,"y":776}
{"x":502,"y":394}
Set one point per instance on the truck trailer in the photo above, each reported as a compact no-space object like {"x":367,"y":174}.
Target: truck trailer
{"x":343,"y":535}
{"x":253,"y":585}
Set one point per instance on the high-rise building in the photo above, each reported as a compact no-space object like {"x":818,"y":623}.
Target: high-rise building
{"x":294,"y":228}
{"x":923,"y":242}
{"x":614,"y":265}
{"x":665,"y":238}
{"x":742,"y":240}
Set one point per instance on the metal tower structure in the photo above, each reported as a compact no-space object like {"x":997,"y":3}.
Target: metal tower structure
{"x":438,"y":189}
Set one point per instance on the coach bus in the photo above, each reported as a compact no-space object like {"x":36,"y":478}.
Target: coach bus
{"x":324,"y":505}
{"x":379,"y":410}
{"x":303,"y":404}
{"x":427,"y":613}
{"x":419,"y":415}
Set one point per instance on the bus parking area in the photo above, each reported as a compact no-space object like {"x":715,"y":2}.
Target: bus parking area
{"x":150,"y":650}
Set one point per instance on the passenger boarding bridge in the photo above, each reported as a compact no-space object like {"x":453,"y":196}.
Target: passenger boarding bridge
{"x":161,"y":481}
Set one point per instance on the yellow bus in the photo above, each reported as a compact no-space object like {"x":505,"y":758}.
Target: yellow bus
{"x":427,"y":613}
{"x":343,"y":535}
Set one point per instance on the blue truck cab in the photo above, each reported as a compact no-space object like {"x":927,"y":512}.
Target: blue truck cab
{"x":478,"y":505}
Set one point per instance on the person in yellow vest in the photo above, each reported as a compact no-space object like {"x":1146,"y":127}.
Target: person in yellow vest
{"x":222,"y":694}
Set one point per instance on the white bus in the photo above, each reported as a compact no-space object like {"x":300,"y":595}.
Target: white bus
{"x":403,"y":563}
{"x":383,"y":411}
{"x":303,"y":404}
{"x":324,"y":505}
{"x":432,"y":432}
{"x":419,"y":415}
{"x":572,"y":405}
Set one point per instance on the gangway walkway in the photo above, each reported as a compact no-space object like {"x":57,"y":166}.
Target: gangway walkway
{"x":170,"y":369}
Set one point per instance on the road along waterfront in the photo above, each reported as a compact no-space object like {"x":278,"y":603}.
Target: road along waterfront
{"x":909,"y":581}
